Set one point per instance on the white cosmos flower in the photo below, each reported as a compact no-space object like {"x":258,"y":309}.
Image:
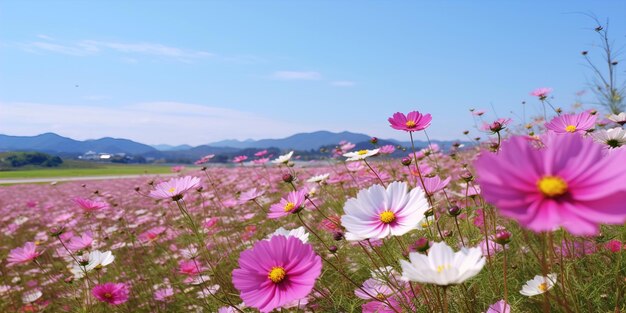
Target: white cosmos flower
{"x":31,"y":296}
{"x":283,"y":158}
{"x":98,"y":259}
{"x":299,"y":233}
{"x":378,"y":212}
{"x":360,"y":155}
{"x":442,"y":266}
{"x":538,"y":285}
{"x":384,"y":274}
{"x":318,"y":178}
{"x":611,"y":138}
{"x":425,"y":222}
{"x":618,"y":118}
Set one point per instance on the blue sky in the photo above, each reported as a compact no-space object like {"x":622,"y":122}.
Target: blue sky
{"x":200,"y":71}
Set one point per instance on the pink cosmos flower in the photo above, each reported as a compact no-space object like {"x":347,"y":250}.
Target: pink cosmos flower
{"x":112,"y":293}
{"x":260,"y":153}
{"x":499,"y":307}
{"x":391,"y":305}
{"x":434,"y":184}
{"x":291,"y":205}
{"x":204,"y":159}
{"x":387,"y":149}
{"x":261,"y":161}
{"x":163,"y":294}
{"x":23,"y":254}
{"x":90,"y":205}
{"x":614,"y":245}
{"x":378,"y":212}
{"x":191,"y":268}
{"x":175,"y":188}
{"x":250,"y":195}
{"x":276,"y":272}
{"x":569,"y":183}
{"x":80,"y":242}
{"x":576,"y":248}
{"x":496,"y":126}
{"x":151,"y":234}
{"x":374,"y":287}
{"x":572,"y":123}
{"x":240,"y":159}
{"x":541,"y":93}
{"x":411,"y":122}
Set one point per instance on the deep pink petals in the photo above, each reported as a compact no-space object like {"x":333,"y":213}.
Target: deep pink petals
{"x":592,"y":182}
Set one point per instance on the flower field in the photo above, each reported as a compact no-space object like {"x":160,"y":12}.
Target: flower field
{"x":530,"y":219}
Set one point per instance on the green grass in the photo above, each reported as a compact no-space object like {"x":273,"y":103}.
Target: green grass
{"x":86,"y":169}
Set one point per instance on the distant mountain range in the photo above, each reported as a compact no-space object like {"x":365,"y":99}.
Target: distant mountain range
{"x":305,"y":142}
{"x":53,"y":143}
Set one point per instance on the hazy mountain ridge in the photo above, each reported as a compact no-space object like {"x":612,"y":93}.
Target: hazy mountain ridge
{"x":225,"y":149}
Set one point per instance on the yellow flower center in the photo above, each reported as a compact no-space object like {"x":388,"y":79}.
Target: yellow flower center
{"x":108,"y":295}
{"x":543,"y":287}
{"x":552,"y":186}
{"x":570,"y":128}
{"x":362,"y":152}
{"x":387,"y":217}
{"x":410,"y":124}
{"x":380,"y":297}
{"x":277,"y":274}
{"x":171,"y":190}
{"x":289,"y":206}
{"x":441,"y":268}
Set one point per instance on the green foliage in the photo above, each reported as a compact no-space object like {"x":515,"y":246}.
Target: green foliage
{"x":20,"y":159}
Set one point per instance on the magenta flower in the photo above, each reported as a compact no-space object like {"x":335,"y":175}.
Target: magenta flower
{"x":240,"y":159}
{"x":250,"y":195}
{"x":499,"y":307}
{"x":23,"y":255}
{"x":191,"y":268}
{"x":434,"y":184}
{"x":411,"y":122}
{"x":80,"y":242}
{"x":260,"y":153}
{"x":291,"y":205}
{"x":387,"y":149}
{"x":496,"y":126}
{"x":175,"y":188}
{"x":164,"y":294}
{"x":541,"y":93}
{"x":276,"y":272}
{"x":568,"y":183}
{"x":90,"y":205}
{"x":151,"y":234}
{"x":572,"y":123}
{"x":112,"y":293}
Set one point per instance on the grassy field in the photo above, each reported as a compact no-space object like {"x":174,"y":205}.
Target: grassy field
{"x":86,"y":169}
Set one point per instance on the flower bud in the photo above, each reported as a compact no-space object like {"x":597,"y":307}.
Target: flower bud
{"x":332,"y":249}
{"x":422,"y":244}
{"x":454,"y":210}
{"x":374,"y":140}
{"x":503,"y":237}
{"x":288,"y":178}
{"x":338,"y":235}
{"x":406,"y":161}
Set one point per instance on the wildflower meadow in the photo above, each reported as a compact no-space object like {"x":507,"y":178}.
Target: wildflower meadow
{"x":530,"y":219}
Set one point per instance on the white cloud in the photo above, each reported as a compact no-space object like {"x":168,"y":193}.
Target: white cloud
{"x":151,"y":123}
{"x":297,"y":75}
{"x":343,"y":83}
{"x":45,"y":37}
{"x":94,"y":47}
